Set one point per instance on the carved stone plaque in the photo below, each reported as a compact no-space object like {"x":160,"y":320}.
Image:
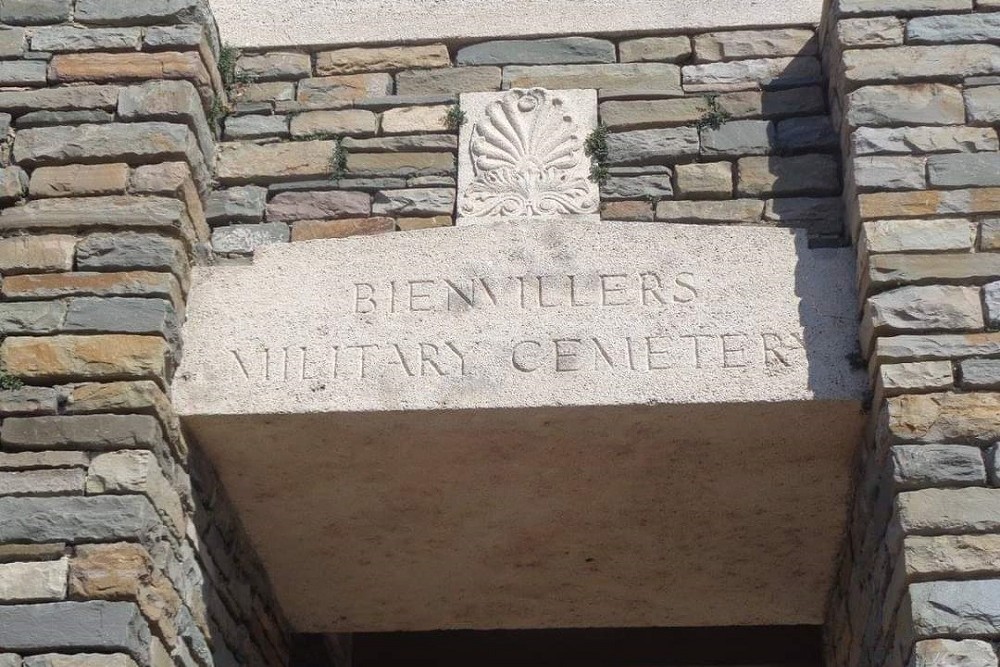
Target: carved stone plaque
{"x":521,"y":156}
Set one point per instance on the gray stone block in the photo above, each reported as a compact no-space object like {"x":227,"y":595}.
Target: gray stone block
{"x":31,"y":317}
{"x":956,"y":607}
{"x":655,"y":49}
{"x":57,"y":481}
{"x":648,"y":187}
{"x":51,"y":118}
{"x":130,"y":250}
{"x":739,"y":137}
{"x":909,"y":140}
{"x":914,"y":104}
{"x":991,"y":299}
{"x":964,"y":170}
{"x":23,"y":73}
{"x":10,"y":660}
{"x":416,"y":143}
{"x":171,"y":101}
{"x":242,"y":204}
{"x":903,"y":63}
{"x":924,"y":307}
{"x":788,"y":176}
{"x":255,"y":127}
{"x":820,"y":215}
{"x":12,"y":42}
{"x":902,"y":7}
{"x":13,"y":184}
{"x":76,"y":519}
{"x":87,"y":432}
{"x":660,"y":77}
{"x":949,"y":511}
{"x":877,"y":172}
{"x":732,"y":45}
{"x":60,"y":99}
{"x":772,"y":72}
{"x":35,"y":12}
{"x":141,"y":12}
{"x":66,"y":39}
{"x":174,"y":36}
{"x":274,"y":66}
{"x":81,"y":660}
{"x":28,"y":401}
{"x":559,"y":50}
{"x":414,"y":202}
{"x":983,"y":104}
{"x":876,"y":31}
{"x":979,"y":373}
{"x":809,"y":133}
{"x":652,"y":146}
{"x":121,"y":315}
{"x":244,"y":239}
{"x":118,"y":142}
{"x":981,"y":27}
{"x":448,"y":80}
{"x":921,"y":466}
{"x":75,"y":626}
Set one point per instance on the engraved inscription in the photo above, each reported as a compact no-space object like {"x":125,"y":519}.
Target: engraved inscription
{"x":528,"y":160}
{"x":646,"y":288}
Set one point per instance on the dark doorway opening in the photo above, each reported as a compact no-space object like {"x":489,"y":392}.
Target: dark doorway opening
{"x":770,"y":646}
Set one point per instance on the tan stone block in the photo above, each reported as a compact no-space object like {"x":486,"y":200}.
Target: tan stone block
{"x":134,"y":471}
{"x":127,"y":67}
{"x":390,"y":58}
{"x":644,"y":114}
{"x":115,"y":571}
{"x":415,"y":120}
{"x":36,"y":460}
{"x":655,"y":49}
{"x":343,"y":88}
{"x":709,"y":180}
{"x":928,"y":203}
{"x":949,"y":556}
{"x":306,"y":230}
{"x":17,"y":553}
{"x":729,"y":211}
{"x":245,"y":162}
{"x":79,"y":180}
{"x":410,"y":224}
{"x":632,"y":211}
{"x":399,"y":164}
{"x":36,"y":254}
{"x":82,"y":660}
{"x":916,"y":376}
{"x":728,"y":45}
{"x":350,"y":122}
{"x":62,"y":358}
{"x":942,"y":418}
{"x":128,"y":283}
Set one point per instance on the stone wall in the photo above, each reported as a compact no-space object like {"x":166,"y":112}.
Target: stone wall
{"x":721,"y":127}
{"x":917,"y":93}
{"x":115,"y":538}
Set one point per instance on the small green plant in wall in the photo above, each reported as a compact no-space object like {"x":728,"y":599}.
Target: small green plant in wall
{"x":715,"y":117}
{"x":596,"y":148}
{"x":455,"y":118}
{"x":8,"y":381}
{"x":338,"y":161}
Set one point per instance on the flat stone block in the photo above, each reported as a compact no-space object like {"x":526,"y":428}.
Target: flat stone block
{"x":644,"y":114}
{"x":967,"y":652}
{"x":984,"y":27}
{"x":655,"y":49}
{"x":415,"y":120}
{"x":708,"y":180}
{"x":75,"y":519}
{"x":915,"y":140}
{"x":35,"y":12}
{"x":292,"y":206}
{"x":916,"y":376}
{"x":914,"y":104}
{"x":448,"y":80}
{"x":956,"y":607}
{"x":738,"y":138}
{"x":74,"y":626}
{"x":43,"y":581}
{"x":964,"y":170}
{"x":255,"y":127}
{"x":306,"y":230}
{"x":245,"y":239}
{"x":890,"y":236}
{"x":347,"y":122}
{"x":922,"y":466}
{"x":983,"y":104}
{"x":731,"y":211}
{"x":551,"y":128}
{"x":384,"y":59}
{"x":88,"y":432}
{"x":619,"y":77}
{"x":914,"y":63}
{"x":737,"y":44}
{"x":275,"y":66}
{"x":80,"y":660}
{"x":36,"y":254}
{"x":879,"y":172}
{"x":559,"y":50}
{"x":875,"y":31}
{"x":56,"y":482}
{"x":414,"y":202}
{"x":528,"y":316}
{"x":945,"y":418}
{"x":641,"y":147}
{"x":344,"y":88}
{"x":788,"y":176}
{"x":79,"y":180}
{"x":979,"y":373}
{"x":771,"y":72}
{"x":72,"y":358}
{"x":64,"y":39}
{"x":242,"y":204}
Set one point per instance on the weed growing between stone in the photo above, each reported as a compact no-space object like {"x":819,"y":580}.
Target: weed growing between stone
{"x":8,"y":381}
{"x":715,"y":117}
{"x":596,"y":148}
{"x":455,"y":118}
{"x":338,"y":161}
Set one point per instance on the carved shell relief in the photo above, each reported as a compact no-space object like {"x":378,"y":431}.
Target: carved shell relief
{"x":528,"y":160}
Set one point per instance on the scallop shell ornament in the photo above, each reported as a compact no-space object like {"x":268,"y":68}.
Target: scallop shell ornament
{"x":528,"y":160}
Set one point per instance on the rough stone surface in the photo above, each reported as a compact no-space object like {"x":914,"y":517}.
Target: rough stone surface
{"x":990,"y":235}
{"x":710,"y":180}
{"x":922,"y":466}
{"x":255,"y":127}
{"x":558,"y":50}
{"x":414,"y":202}
{"x":406,"y":144}
{"x":68,"y":482}
{"x":619,"y":77}
{"x":348,"y":122}
{"x":914,"y":104}
{"x":35,"y":12}
{"x":47,"y":118}
{"x":931,"y":307}
{"x":909,"y":140}
{"x":246,"y":162}
{"x":13,"y":183}
{"x":650,"y":187}
{"x":64,"y":39}
{"x":885,"y":236}
{"x":243,"y":204}
{"x":951,"y":555}
{"x":306,"y":230}
{"x":777,"y":72}
{"x":643,"y":114}
{"x":388,"y":58}
{"x":739,"y":137}
{"x":26,"y":461}
{"x":737,"y":44}
{"x":23,"y":73}
{"x":943,"y":418}
{"x":121,"y":315}
{"x":130,"y":250}
{"x":929,"y":203}
{"x":800,"y":175}
{"x":652,"y":146}
{"x":984,"y":27}
{"x":62,"y":358}
{"x":915,"y":376}
{"x":400,"y":164}
{"x":448,"y":80}
{"x":964,"y":170}
{"x":28,"y":401}
{"x":57,"y":99}
{"x":75,"y":519}
{"x":956,"y":607}
{"x":33,"y":582}
{"x":820,"y":215}
{"x":879,"y":172}
{"x":411,"y":224}
{"x":274,"y":66}
{"x":344,"y":88}
{"x":245,"y":239}
{"x":88,"y":432}
{"x":131,"y":471}
{"x":412,"y":120}
{"x":73,"y":626}
{"x":36,"y":254}
{"x":655,"y":49}
{"x":983,"y":104}
{"x":944,"y":652}
{"x":79,"y":660}
{"x":291,"y":206}
{"x":991,"y":298}
{"x":980,"y":373}
{"x":31,"y":318}
{"x":806,"y":134}
{"x":732,"y":211}
{"x":126,"y":67}
{"x":79,"y":180}
{"x":875,"y":31}
{"x":903,"y":63}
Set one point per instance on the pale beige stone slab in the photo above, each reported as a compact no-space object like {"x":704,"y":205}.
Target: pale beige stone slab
{"x":521,"y":155}
{"x":535,"y":424}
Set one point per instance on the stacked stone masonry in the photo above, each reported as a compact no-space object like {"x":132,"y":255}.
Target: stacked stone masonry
{"x":117,"y":545}
{"x":915,"y":89}
{"x":715,"y":127}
